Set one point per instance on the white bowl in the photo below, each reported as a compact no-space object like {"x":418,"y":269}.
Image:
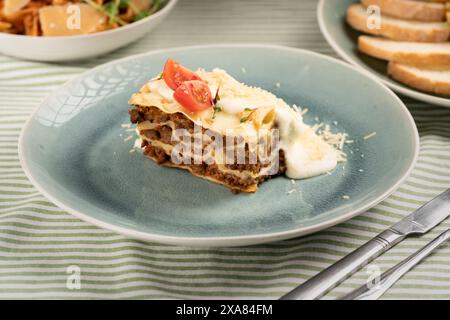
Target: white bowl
{"x":65,"y":48}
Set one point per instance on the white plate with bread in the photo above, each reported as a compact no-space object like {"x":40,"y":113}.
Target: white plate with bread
{"x":405,"y":43}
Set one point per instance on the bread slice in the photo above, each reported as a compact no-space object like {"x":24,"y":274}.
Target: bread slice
{"x":433,"y":81}
{"x":419,"y":54}
{"x":398,"y":29}
{"x":409,"y":9}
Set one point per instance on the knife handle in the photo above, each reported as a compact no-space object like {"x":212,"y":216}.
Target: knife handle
{"x":391,"y":276}
{"x":332,"y":276}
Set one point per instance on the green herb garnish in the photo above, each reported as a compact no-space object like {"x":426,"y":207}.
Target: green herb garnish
{"x":111,"y":10}
{"x":243,"y":119}
{"x":141,"y":15}
{"x":114,"y":8}
{"x":155,"y":7}
{"x":124,"y":4}
{"x":216,"y":109}
{"x":216,"y":98}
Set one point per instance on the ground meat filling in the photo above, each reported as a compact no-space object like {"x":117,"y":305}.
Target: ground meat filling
{"x":163,"y":134}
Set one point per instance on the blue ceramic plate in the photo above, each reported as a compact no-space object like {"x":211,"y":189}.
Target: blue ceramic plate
{"x":343,"y":39}
{"x":74,"y":152}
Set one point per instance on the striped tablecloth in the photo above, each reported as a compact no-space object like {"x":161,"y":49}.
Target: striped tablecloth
{"x":38,"y":241}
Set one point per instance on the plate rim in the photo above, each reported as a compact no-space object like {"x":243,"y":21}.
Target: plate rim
{"x":409,"y":92}
{"x":225,"y":241}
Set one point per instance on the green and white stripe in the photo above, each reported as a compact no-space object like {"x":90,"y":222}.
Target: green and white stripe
{"x":38,"y":241}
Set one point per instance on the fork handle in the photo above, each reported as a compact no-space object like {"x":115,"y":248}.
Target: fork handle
{"x":391,"y":276}
{"x":329,"y":278}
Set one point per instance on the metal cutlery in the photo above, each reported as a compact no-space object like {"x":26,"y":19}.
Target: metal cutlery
{"x":419,"y":222}
{"x":388,"y":278}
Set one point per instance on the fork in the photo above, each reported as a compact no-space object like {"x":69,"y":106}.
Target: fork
{"x":388,"y":278}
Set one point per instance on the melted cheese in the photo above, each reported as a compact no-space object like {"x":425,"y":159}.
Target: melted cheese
{"x":156,"y":93}
{"x":234,"y":106}
{"x":244,"y":111}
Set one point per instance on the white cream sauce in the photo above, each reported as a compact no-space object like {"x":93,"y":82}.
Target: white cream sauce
{"x":162,"y":89}
{"x":234,"y":105}
{"x":306,"y":154}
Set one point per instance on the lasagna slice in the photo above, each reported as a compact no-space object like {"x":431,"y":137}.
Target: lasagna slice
{"x":225,"y":131}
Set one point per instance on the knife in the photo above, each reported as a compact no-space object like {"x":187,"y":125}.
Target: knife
{"x":420,"y":221}
{"x":391,"y":276}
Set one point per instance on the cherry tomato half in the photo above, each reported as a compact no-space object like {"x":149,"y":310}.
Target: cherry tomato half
{"x":175,"y":74}
{"x":194,"y":95}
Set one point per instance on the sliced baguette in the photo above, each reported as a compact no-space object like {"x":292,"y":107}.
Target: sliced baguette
{"x":419,"y":54}
{"x":433,"y":81}
{"x":398,"y":29}
{"x":410,"y":10}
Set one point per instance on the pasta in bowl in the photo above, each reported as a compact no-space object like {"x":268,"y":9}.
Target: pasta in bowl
{"x":74,"y":17}
{"x":59,"y":30}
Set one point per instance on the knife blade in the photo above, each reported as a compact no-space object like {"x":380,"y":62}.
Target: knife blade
{"x":420,"y":221}
{"x":426,"y":217}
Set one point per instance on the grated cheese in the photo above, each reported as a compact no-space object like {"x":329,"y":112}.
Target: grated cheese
{"x":336,"y":140}
{"x":370,"y":135}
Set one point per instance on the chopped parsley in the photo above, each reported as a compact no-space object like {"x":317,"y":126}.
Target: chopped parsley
{"x":216,"y":109}
{"x":113,"y":9}
{"x":216,"y":98}
{"x":141,"y":15}
{"x":123,"y":4}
